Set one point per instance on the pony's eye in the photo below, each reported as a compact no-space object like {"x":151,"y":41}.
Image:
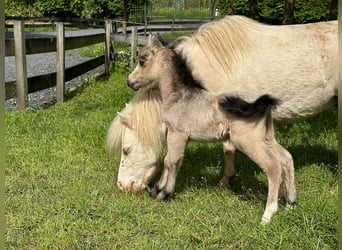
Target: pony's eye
{"x":142,"y":61}
{"x":126,"y":150}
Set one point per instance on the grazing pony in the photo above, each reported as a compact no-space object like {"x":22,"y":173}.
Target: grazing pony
{"x":297,"y":64}
{"x":192,"y":113}
{"x":147,"y":148}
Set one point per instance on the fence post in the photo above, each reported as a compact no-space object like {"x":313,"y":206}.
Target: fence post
{"x":134,"y":43}
{"x":20,"y":64}
{"x":145,"y":19}
{"x":108,"y":45}
{"x":115,"y":29}
{"x":124,"y":27}
{"x":60,"y":60}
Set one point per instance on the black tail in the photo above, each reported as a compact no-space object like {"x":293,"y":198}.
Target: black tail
{"x":236,"y":105}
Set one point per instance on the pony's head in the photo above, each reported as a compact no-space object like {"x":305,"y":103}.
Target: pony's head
{"x":149,"y":67}
{"x":138,"y":134}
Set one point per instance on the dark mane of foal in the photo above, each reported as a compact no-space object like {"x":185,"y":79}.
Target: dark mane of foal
{"x":183,"y":70}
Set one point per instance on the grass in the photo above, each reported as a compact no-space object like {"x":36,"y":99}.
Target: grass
{"x":92,"y":50}
{"x":193,"y":13}
{"x":98,"y":49}
{"x":61,"y":186}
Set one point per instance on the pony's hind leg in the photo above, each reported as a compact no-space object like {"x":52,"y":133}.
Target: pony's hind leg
{"x":229,"y":164}
{"x":265,"y":155}
{"x":165,"y":187}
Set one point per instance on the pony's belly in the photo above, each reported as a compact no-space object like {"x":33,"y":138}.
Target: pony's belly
{"x":218,"y":133}
{"x":208,"y":138}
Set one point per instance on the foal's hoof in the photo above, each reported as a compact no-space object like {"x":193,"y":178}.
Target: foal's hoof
{"x":159,"y":194}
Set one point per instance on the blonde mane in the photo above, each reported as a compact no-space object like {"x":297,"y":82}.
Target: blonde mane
{"x":141,"y":114}
{"x":223,"y":42}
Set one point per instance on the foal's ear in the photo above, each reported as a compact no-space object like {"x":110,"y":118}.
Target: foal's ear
{"x":154,"y":42}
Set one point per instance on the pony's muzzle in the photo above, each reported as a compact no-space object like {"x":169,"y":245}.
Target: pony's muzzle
{"x":132,"y":84}
{"x":129,"y":187}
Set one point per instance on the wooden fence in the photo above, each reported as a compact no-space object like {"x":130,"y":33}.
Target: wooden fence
{"x":20,"y":47}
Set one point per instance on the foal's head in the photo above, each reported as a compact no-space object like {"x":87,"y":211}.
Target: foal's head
{"x":152,"y":60}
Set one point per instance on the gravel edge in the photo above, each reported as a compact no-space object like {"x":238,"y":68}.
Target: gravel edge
{"x":46,"y":98}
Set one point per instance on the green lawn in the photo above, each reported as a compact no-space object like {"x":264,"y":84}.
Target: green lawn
{"x":61,"y":186}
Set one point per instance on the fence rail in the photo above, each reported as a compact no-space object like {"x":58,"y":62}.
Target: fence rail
{"x":35,"y":45}
{"x":50,"y":22}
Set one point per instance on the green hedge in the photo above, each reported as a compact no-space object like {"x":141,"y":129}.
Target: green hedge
{"x":270,"y":11}
{"x":273,"y":10}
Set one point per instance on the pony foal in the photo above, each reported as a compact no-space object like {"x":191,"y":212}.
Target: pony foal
{"x":192,"y":113}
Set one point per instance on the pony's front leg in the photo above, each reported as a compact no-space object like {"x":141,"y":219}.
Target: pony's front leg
{"x":229,"y":164}
{"x":165,"y":187}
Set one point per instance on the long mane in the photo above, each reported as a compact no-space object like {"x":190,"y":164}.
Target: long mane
{"x":224,"y":42}
{"x":141,"y":114}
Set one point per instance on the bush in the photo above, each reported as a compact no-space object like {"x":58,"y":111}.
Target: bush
{"x":272,"y":11}
{"x":312,"y":11}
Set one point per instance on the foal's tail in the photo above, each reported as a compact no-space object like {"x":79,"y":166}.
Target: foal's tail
{"x":234,"y":104}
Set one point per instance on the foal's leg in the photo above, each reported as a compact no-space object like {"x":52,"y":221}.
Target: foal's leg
{"x":229,"y":164}
{"x":258,"y":149}
{"x":266,"y":158}
{"x":286,"y":162}
{"x":165,"y":187}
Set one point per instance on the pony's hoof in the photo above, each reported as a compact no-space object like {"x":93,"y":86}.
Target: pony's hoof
{"x":221,"y":184}
{"x":154,"y":192}
{"x":225,"y":182}
{"x":291,"y":205}
{"x":265,"y":221}
{"x":160,"y":194}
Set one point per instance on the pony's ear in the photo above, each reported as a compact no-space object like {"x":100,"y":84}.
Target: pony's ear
{"x":162,"y":40}
{"x":155,"y":42}
{"x":125,"y":119}
{"x":149,"y":42}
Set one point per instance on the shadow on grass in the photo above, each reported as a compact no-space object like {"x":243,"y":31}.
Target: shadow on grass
{"x":318,"y":155}
{"x":203,"y":167}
